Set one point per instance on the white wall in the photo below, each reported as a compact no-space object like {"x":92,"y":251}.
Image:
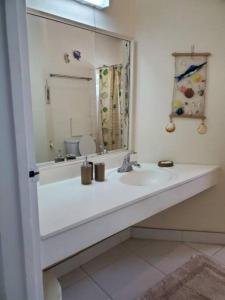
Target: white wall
{"x":108,"y":50}
{"x":163,"y":27}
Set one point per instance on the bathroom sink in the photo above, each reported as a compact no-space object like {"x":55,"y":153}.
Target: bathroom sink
{"x":147,"y":175}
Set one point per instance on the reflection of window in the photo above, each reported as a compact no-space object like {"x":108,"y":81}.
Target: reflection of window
{"x":96,"y":3}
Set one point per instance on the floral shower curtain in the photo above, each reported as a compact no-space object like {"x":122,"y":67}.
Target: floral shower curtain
{"x":113,"y":107}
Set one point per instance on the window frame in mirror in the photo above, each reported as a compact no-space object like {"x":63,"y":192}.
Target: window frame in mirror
{"x":45,"y":15}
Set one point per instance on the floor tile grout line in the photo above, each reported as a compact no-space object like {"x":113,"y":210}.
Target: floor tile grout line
{"x":143,"y":259}
{"x":97,"y":284}
{"x":192,"y":247}
{"x":218,"y":250}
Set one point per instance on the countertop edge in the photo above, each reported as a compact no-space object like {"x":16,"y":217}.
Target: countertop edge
{"x":132,"y":202}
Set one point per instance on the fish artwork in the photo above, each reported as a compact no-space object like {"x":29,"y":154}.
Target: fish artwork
{"x":189,"y":89}
{"x":190,"y":71}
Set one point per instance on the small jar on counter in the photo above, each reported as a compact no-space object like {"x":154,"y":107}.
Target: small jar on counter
{"x":100,"y":172}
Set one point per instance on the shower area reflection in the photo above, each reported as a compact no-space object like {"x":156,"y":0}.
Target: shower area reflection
{"x":113,"y":104}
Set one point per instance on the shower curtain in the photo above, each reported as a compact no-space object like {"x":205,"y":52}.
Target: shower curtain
{"x":113,"y":110}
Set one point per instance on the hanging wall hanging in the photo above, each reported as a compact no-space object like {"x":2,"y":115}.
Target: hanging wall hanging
{"x":189,"y":89}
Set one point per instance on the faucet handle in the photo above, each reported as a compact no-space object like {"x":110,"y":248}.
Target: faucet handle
{"x":103,"y":149}
{"x":133,"y":152}
{"x":136,"y":164}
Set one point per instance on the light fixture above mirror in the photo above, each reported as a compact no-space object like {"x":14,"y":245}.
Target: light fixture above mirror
{"x":100,"y":4}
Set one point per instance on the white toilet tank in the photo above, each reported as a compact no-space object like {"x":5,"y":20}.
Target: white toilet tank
{"x":72,"y":146}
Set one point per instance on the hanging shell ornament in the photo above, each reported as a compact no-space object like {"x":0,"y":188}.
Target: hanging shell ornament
{"x":196,"y":77}
{"x":171,"y":127}
{"x":177,"y":104}
{"x":189,"y":93}
{"x":202,"y":128}
{"x":66,"y":58}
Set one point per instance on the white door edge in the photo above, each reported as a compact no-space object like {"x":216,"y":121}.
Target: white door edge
{"x":16,"y":30}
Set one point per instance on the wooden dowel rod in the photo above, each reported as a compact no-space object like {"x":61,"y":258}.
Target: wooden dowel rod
{"x":188,"y":117}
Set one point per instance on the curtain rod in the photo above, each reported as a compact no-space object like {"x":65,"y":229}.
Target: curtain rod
{"x":105,"y":66}
{"x":71,"y":77}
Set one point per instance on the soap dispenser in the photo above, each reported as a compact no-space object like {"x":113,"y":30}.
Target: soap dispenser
{"x":86,"y":172}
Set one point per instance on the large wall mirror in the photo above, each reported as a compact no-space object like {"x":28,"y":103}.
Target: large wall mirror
{"x":80,"y":90}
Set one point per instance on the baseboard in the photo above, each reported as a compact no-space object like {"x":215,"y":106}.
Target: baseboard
{"x":83,"y":257}
{"x":178,"y":235}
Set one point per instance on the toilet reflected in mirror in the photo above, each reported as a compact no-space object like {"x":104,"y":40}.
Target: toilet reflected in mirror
{"x":82,"y":146}
{"x":72,"y":147}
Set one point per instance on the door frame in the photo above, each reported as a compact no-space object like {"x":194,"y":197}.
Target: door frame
{"x":16,"y":49}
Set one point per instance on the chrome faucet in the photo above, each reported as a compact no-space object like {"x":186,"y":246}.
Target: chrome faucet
{"x":127,"y":165}
{"x":103,"y":150}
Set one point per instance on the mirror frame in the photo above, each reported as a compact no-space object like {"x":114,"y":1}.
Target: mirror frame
{"x":45,"y":15}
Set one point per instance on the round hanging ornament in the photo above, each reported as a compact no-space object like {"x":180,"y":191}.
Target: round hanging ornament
{"x":202,"y":128}
{"x":170,"y":127}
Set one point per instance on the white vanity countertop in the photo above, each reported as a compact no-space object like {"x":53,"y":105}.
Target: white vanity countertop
{"x":67,"y":204}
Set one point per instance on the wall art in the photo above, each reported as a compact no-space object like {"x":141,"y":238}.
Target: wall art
{"x":189,"y":92}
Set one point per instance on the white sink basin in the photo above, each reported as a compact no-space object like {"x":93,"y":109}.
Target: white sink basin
{"x":147,"y":176}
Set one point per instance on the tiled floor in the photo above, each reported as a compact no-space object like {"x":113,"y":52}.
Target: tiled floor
{"x":126,"y":271}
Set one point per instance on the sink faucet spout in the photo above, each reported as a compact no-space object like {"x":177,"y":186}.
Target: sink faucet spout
{"x":127,"y":165}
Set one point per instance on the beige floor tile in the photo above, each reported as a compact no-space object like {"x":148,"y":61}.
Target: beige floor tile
{"x":105,"y":259}
{"x":176,"y":258}
{"x":126,"y":271}
{"x":152,"y":250}
{"x":71,"y":278}
{"x":84,"y":289}
{"x":220,"y":256}
{"x":127,"y":278}
{"x":135,"y":245}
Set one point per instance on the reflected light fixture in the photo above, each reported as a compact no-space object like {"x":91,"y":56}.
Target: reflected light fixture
{"x":100,"y":4}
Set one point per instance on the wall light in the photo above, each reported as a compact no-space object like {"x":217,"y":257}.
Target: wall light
{"x":101,"y":4}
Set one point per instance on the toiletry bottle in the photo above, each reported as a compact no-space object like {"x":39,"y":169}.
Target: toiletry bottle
{"x":92,"y":169}
{"x":100,"y":172}
{"x":86,"y":173}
